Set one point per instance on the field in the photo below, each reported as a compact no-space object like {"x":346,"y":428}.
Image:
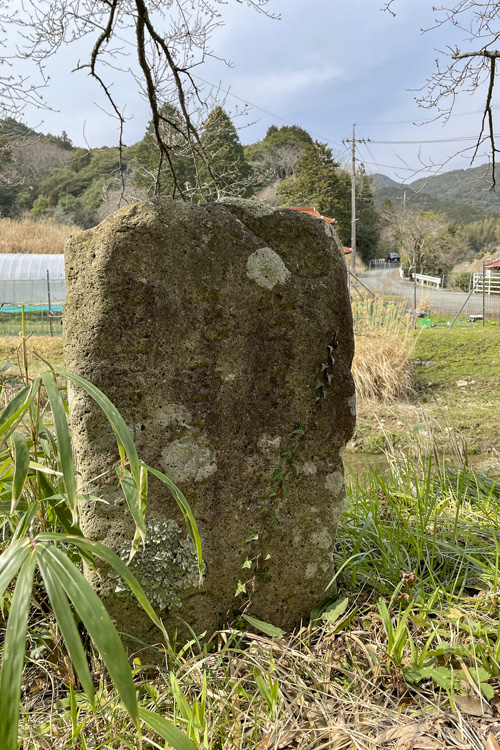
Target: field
{"x":455,"y":386}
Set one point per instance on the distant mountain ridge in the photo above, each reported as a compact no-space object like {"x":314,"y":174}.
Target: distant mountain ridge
{"x":462,"y":195}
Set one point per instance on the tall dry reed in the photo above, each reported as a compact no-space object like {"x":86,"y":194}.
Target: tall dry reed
{"x":27,"y":236}
{"x":385,"y":341}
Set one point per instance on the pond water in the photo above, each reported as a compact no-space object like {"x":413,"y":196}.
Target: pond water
{"x":358,"y":463}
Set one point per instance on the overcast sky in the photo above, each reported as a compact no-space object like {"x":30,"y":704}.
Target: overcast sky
{"x":323,"y":66}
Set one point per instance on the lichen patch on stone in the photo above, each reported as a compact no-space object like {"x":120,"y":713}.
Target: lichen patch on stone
{"x":311,"y":570}
{"x":186,"y":460}
{"x":334,"y":482}
{"x":351,"y":402}
{"x":172,"y":415}
{"x":167,"y":565}
{"x":266,"y":268}
{"x":322,"y":539}
{"x":309,"y":468}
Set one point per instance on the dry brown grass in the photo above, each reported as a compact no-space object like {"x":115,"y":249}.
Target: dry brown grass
{"x":27,"y":236}
{"x":384,"y":345}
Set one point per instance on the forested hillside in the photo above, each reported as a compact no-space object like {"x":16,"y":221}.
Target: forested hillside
{"x":46,"y":177}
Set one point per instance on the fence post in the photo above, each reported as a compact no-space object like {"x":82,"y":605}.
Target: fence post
{"x":484,"y":292}
{"x":48,"y":298}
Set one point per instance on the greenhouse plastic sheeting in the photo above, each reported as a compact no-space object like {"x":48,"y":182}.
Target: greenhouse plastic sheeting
{"x":23,"y":278}
{"x":32,"y":266}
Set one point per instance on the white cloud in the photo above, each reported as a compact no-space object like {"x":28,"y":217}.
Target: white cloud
{"x":267,"y":86}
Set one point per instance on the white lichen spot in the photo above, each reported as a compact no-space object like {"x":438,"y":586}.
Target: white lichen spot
{"x":229,"y":377}
{"x":311,"y":570}
{"x":334,"y":482}
{"x":185,"y":460}
{"x":165,"y":566}
{"x":268,"y":444}
{"x":351,"y":403}
{"x":309,"y":468}
{"x":322,"y":539}
{"x":266,"y":268}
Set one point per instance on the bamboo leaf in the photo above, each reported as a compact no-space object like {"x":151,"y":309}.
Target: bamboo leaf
{"x":14,"y":648}
{"x":21,"y":465}
{"x":10,"y":561}
{"x":97,"y":621}
{"x":17,"y":407}
{"x":66,"y":622}
{"x":265,"y":627}
{"x":186,"y":512}
{"x":115,"y":419}
{"x":15,"y":404}
{"x":112,"y":559}
{"x":136,"y":507}
{"x":63,"y":441}
{"x":168,"y":731}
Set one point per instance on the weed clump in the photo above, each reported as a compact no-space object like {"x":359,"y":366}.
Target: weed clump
{"x":28,"y":236}
{"x":385,"y":341}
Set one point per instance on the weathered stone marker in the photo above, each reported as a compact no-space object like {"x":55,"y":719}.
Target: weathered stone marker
{"x":223,"y":334}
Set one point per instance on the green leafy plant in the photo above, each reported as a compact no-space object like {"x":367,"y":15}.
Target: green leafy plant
{"x":39,"y":503}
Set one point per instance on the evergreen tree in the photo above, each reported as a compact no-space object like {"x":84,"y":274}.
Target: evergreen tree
{"x":225,"y":155}
{"x":150,"y":175}
{"x":368,"y":224}
{"x":320,"y":183}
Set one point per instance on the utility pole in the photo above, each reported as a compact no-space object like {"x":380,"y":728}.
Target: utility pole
{"x":353,"y":142}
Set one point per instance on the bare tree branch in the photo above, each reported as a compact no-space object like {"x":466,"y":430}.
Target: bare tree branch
{"x":171,"y":37}
{"x":466,"y":70}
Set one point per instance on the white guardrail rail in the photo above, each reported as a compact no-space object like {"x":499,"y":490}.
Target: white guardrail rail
{"x":423,"y":279}
{"x":491,"y":282}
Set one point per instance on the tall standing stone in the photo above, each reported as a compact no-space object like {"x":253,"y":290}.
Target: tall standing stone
{"x":223,"y":334}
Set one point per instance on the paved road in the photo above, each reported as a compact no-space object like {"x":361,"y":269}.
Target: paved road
{"x":442,"y":301}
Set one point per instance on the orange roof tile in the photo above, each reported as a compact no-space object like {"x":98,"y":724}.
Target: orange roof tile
{"x":312,"y":212}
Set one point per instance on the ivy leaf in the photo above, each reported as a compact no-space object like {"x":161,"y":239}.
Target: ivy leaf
{"x":240,"y":589}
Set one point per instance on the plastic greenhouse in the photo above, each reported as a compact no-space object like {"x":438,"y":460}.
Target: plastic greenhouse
{"x":34,"y":279}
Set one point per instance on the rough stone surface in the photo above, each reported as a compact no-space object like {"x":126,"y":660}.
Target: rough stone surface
{"x":223,"y":334}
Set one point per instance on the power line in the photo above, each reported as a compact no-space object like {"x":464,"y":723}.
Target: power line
{"x":413,"y":122}
{"x":436,"y":140}
{"x":266,"y":111}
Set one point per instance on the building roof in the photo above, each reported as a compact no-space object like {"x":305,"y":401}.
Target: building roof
{"x":493,"y":263}
{"x":312,"y":212}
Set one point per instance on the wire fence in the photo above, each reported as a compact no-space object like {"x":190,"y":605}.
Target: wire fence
{"x":479,"y":304}
{"x":42,"y":300}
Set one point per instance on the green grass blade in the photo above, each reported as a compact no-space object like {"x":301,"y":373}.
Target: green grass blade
{"x":21,"y":465}
{"x":185,"y":510}
{"x":63,"y":441}
{"x":173,"y":736}
{"x":112,"y":559}
{"x":115,"y":419}
{"x":67,"y":625}
{"x":14,"y":648}
{"x":98,"y":623}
